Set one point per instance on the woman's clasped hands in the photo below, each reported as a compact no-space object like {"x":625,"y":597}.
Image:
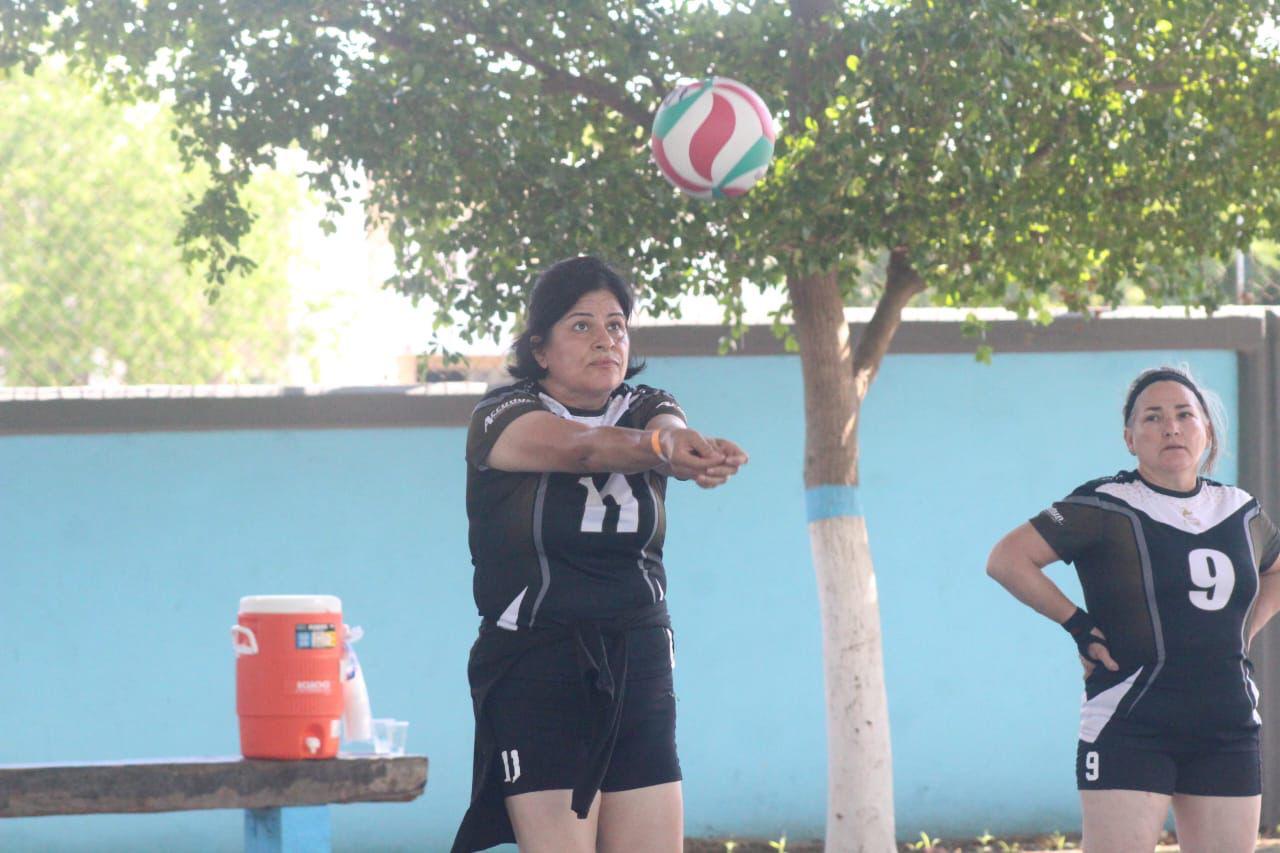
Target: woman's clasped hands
{"x":709,"y":462}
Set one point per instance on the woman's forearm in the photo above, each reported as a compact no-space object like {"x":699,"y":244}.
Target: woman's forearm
{"x":617,"y":449}
{"x":1027,"y":583}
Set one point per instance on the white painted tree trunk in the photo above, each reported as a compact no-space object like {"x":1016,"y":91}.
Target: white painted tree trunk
{"x":860,"y":767}
{"x":836,"y":379}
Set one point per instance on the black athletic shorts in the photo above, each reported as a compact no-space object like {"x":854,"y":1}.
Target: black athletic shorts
{"x":1202,"y":765}
{"x":538,"y":714}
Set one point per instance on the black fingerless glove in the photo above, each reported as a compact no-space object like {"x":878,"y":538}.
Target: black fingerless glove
{"x":1080,"y":626}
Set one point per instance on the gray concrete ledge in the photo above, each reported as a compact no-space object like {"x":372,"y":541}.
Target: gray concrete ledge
{"x":392,"y":407}
{"x":51,"y":411}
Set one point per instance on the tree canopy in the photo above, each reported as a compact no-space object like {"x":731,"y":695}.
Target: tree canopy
{"x":92,"y":285}
{"x":1021,"y":152}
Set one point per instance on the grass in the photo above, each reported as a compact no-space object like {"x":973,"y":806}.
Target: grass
{"x":985,"y":843}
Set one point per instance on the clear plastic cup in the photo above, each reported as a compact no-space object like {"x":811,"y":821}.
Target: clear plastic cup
{"x":389,"y":736}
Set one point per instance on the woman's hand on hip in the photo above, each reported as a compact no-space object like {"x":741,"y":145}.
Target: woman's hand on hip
{"x":1101,"y":652}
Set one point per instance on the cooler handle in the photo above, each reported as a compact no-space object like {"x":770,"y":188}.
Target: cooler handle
{"x":251,"y":648}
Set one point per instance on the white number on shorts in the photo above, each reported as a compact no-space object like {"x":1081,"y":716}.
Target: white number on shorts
{"x":1091,"y":766}
{"x":510,"y":765}
{"x":620,"y":490}
{"x":1211,"y":571}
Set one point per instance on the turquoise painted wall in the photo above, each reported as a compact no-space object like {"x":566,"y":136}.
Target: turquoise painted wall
{"x":122,"y":558}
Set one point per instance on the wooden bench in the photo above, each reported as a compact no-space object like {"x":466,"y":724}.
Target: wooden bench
{"x":286,"y":803}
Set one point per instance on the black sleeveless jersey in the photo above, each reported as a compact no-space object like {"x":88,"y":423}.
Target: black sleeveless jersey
{"x":1170,"y":578}
{"x":555,"y":547}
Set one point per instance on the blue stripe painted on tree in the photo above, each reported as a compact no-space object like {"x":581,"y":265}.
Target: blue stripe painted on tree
{"x":831,"y":502}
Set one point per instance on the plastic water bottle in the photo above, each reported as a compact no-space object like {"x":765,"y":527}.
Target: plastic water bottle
{"x":357,"y":718}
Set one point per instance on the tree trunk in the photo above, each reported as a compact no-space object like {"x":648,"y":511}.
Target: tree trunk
{"x":859,"y":757}
{"x":859,"y":765}
{"x":836,"y":379}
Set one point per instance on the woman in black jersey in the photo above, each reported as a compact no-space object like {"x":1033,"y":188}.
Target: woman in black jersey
{"x":571,"y":676}
{"x":1178,"y":574}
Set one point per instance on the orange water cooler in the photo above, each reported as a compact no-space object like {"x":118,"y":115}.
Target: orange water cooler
{"x":288,"y":675}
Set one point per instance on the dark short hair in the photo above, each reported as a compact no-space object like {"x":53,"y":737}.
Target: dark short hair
{"x":557,"y":289}
{"x":1182,"y":376}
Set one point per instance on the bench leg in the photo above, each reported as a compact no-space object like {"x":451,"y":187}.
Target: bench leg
{"x":296,"y":829}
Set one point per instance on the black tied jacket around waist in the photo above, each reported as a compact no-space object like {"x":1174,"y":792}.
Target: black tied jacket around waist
{"x":600,"y":647}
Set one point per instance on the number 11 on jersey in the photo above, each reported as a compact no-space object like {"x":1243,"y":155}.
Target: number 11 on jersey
{"x":619,"y":491}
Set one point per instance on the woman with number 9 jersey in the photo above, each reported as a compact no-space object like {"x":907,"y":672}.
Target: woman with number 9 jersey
{"x":571,"y":676}
{"x":1178,"y":574}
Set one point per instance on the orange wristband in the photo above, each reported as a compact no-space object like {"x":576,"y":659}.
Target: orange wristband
{"x":655,"y":441}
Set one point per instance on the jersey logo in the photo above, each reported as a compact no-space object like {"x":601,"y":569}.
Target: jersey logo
{"x":616,"y":493}
{"x":1055,"y":516}
{"x":502,"y":407}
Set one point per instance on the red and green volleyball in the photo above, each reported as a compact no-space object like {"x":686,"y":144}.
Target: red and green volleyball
{"x":713,"y":138}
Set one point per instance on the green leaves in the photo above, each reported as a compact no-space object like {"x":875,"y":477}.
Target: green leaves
{"x":1027,"y":155}
{"x":91,"y":283}
{"x":1056,"y":155}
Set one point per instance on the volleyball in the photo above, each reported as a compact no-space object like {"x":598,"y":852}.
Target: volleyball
{"x":713,"y":138}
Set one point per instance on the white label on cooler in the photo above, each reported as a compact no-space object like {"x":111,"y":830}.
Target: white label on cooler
{"x":318,"y":685}
{"x":335,"y":728}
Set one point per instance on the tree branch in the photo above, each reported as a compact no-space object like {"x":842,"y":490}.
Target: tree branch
{"x":553,"y":79}
{"x":557,"y":80}
{"x":806,"y":17}
{"x":1045,"y":148}
{"x":901,"y":284}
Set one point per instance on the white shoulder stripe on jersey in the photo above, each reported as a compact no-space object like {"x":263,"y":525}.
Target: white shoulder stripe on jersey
{"x":1204,"y":511}
{"x":1095,"y":713}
